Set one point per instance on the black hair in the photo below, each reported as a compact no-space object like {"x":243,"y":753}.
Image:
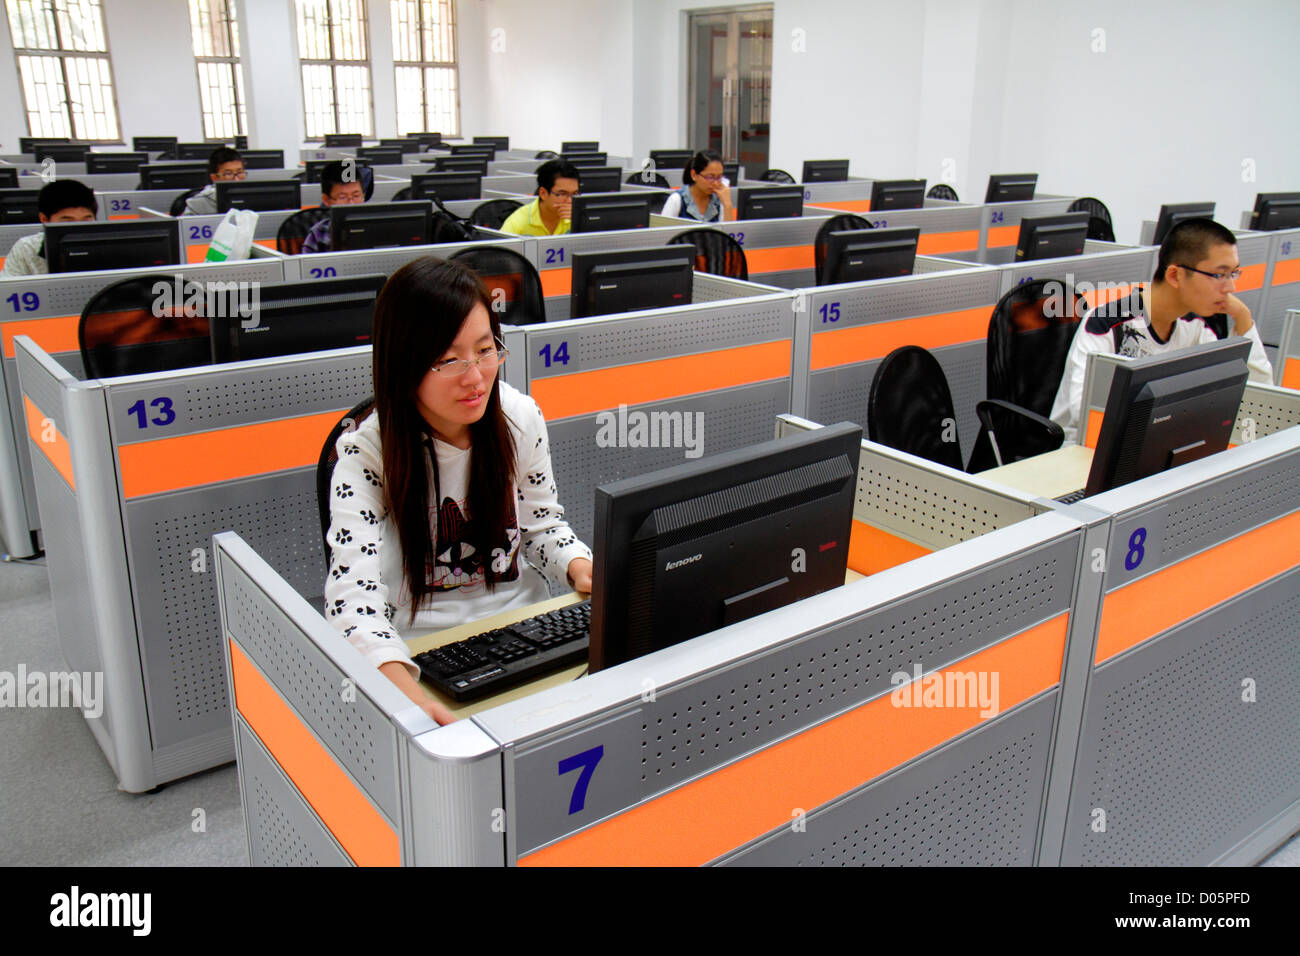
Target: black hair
{"x":222,"y":155}
{"x":698,"y":164}
{"x":554,"y":169}
{"x":65,"y":194}
{"x":336,"y":174}
{"x":1189,"y":242}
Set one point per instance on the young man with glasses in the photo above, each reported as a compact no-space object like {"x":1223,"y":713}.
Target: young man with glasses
{"x":551,"y":213}
{"x":1190,"y":294}
{"x":225,"y":165}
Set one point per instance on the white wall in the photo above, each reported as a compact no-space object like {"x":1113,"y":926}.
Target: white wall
{"x":268,"y":41}
{"x":153,"y":69}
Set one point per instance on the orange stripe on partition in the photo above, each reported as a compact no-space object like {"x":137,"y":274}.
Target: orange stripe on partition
{"x":346,"y":812}
{"x":1093,"y":431}
{"x":684,"y":827}
{"x":1252,"y":277}
{"x":1003,"y":236}
{"x":556,"y":282}
{"x":872,"y":549}
{"x":270,"y":243}
{"x":1286,"y":270}
{"x":847,"y":205}
{"x":130,"y":215}
{"x":937,"y":243}
{"x":196,"y":253}
{"x":585,"y":392}
{"x":1291,"y":374}
{"x":55,"y":334}
{"x":1109,"y":293}
{"x":225,"y":454}
{"x":862,"y":343}
{"x":1179,"y":592}
{"x":56,"y":450}
{"x":780,"y":259}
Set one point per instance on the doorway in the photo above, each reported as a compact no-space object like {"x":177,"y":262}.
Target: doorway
{"x":730,"y":84}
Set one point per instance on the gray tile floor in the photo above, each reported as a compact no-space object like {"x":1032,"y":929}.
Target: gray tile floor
{"x":59,"y":802}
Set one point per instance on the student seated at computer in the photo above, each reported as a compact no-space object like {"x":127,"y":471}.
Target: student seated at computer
{"x":551,"y":213}
{"x":64,"y":200}
{"x":339,"y":186}
{"x":225,"y":165}
{"x":705,"y":194}
{"x":443,"y":502}
{"x":1194,"y":277}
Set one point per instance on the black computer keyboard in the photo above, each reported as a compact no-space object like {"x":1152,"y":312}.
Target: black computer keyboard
{"x":1072,"y":497}
{"x":494,"y":660}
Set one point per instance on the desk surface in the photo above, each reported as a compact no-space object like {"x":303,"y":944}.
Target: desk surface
{"x":1051,"y":475}
{"x":418,"y":645}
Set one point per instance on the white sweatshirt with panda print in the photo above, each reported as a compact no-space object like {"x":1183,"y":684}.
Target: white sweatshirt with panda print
{"x":366,"y":596}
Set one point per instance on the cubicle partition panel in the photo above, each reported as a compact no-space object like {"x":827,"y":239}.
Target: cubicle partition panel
{"x":183,"y":455}
{"x":9,"y":234}
{"x":555,"y":259}
{"x":1000,"y":224}
{"x":1254,"y":248}
{"x":517,"y":184}
{"x":854,"y":326}
{"x":197,"y":231}
{"x":128,"y":203}
{"x":1105,"y":272}
{"x":780,"y":252}
{"x":1282,"y":291}
{"x":1190,"y":686}
{"x":1286,"y":370}
{"x":845,"y":195}
{"x":627,"y":394}
{"x":325,"y":265}
{"x":48,"y":309}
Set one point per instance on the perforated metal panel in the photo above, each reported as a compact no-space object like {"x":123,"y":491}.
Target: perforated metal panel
{"x":1181,"y":765}
{"x":357,"y":734}
{"x":282,"y":829}
{"x":931,"y":294}
{"x":376,"y":261}
{"x":972,"y":803}
{"x":731,"y":419}
{"x":176,"y":607}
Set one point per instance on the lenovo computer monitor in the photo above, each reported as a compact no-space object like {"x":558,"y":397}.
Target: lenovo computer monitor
{"x":19,"y":206}
{"x":474,"y":149}
{"x":856,"y":255}
{"x":1276,"y":211}
{"x":1174,"y":213}
{"x":380,"y":225}
{"x":118,"y":244}
{"x":605,"y":211}
{"x":692,"y":548}
{"x":293,"y":317}
{"x":448,"y":187}
{"x":500,"y":143}
{"x":381,"y":155}
{"x":174,"y":175}
{"x":769,"y":202}
{"x":60,"y":152}
{"x":196,"y":150}
{"x":153,"y":144}
{"x":889,"y":194}
{"x":260,"y":195}
{"x":263,"y":158}
{"x":629,"y":280}
{"x":404,"y":144}
{"x":1166,"y":410}
{"x":824,"y":170}
{"x":460,"y":164}
{"x":582,"y":160}
{"x":27,"y":144}
{"x":115,"y":162}
{"x":600,"y":179}
{"x":1011,"y":187}
{"x":426,"y":140}
{"x":1050,"y":237}
{"x":343,"y":139}
{"x":671,"y":158}
{"x":731,"y":172}
{"x":579,"y":146}
{"x":8,"y":177}
{"x":241,"y":143}
{"x":315,"y":166}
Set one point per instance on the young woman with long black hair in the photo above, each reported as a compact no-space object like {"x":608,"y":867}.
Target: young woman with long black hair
{"x":443,"y":504}
{"x":705,"y":194}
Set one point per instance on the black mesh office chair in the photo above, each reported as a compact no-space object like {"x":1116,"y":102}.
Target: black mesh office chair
{"x":777,"y":176}
{"x":512,"y":280}
{"x":942,"y":191}
{"x":547,"y":154}
{"x":402,"y":194}
{"x":329,"y":458}
{"x":639,"y":179}
{"x":1030,"y":332}
{"x":910,"y":407}
{"x":450,"y":228}
{"x":834,"y":224}
{"x":715,"y":252}
{"x":178,"y":204}
{"x":293,"y":231}
{"x":493,"y":213}
{"x":1099,"y":223}
{"x":119,"y":334}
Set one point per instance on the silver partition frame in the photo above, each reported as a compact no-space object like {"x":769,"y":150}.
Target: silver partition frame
{"x":948,"y":229}
{"x":1008,"y":215}
{"x":323,"y":265}
{"x":1279,"y":296}
{"x":61,"y":299}
{"x":1099,"y":264}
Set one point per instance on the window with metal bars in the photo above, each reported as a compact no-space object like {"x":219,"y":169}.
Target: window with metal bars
{"x":424,"y":53}
{"x":62,"y":51}
{"x":214,"y":28}
{"x":333,"y":50}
